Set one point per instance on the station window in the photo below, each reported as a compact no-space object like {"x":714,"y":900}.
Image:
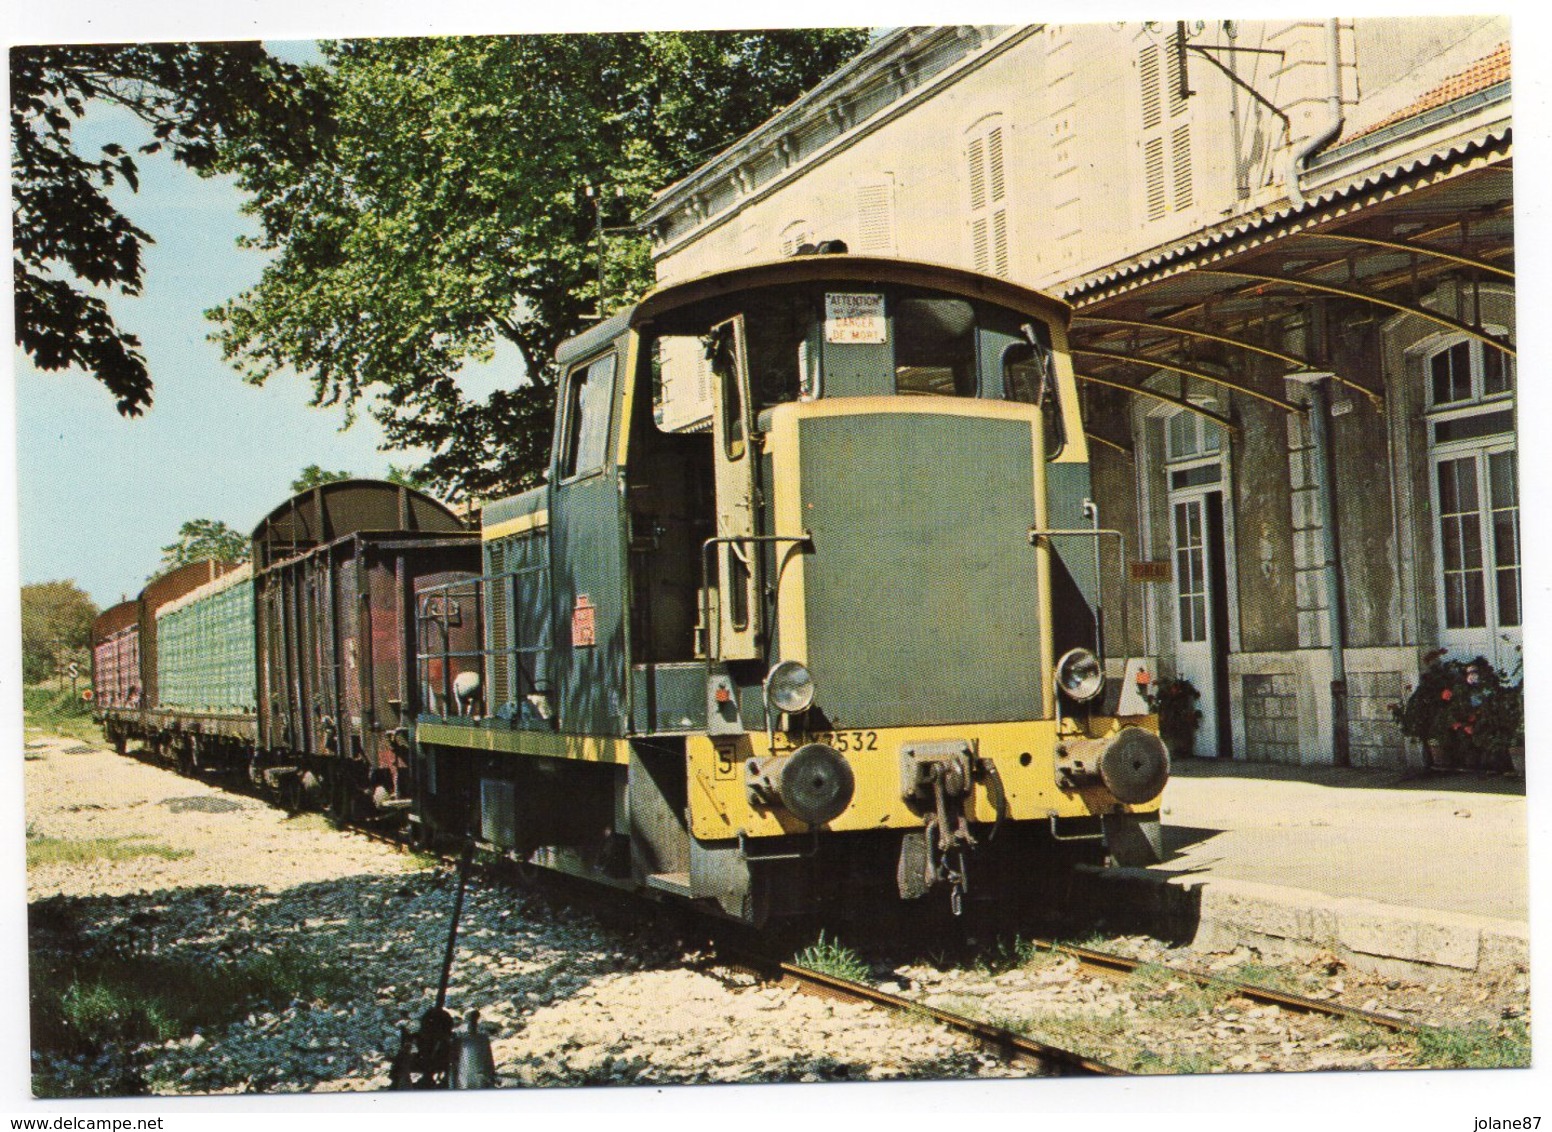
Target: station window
{"x":1475,"y":489}
{"x":1191,"y":436}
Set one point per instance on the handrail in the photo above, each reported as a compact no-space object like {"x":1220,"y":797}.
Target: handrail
{"x":479,"y":588}
{"x":707,"y":568}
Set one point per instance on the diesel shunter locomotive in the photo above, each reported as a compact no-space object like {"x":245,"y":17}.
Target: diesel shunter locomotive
{"x":808,"y":606}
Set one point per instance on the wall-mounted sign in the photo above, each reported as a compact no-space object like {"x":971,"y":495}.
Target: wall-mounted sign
{"x":854,"y":317}
{"x":584,"y":624}
{"x":1150,"y":571}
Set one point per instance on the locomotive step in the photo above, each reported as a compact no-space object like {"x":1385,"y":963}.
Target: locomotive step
{"x":676,"y":883}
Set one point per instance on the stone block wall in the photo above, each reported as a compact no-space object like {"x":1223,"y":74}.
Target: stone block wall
{"x":1271,"y":704}
{"x":1375,"y":736}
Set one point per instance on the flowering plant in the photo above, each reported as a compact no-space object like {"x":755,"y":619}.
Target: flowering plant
{"x":1467,"y":713}
{"x":1174,"y":699}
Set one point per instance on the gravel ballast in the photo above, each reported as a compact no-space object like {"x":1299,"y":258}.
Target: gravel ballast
{"x":566,"y":998}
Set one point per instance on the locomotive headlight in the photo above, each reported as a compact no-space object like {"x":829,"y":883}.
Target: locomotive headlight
{"x":789,"y":687}
{"x":1080,"y":675}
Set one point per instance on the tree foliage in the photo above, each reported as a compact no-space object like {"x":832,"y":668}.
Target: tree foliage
{"x":56,"y":627}
{"x":199,"y":539}
{"x":448,"y":212}
{"x":313,"y":475}
{"x":69,"y":239}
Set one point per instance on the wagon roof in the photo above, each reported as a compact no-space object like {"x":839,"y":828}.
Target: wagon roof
{"x":334,"y":510}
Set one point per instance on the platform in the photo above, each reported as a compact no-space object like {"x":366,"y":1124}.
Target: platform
{"x":1384,"y":868}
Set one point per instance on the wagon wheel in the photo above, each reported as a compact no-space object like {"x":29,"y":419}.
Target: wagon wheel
{"x":185,"y":758}
{"x":340,"y":794}
{"x":290,"y":793}
{"x":119,"y":740}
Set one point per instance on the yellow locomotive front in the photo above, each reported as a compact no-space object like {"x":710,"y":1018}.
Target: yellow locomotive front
{"x":897,"y":600}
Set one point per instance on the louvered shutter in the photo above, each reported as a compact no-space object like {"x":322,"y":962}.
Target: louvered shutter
{"x":988,"y":219}
{"x":876,"y":217}
{"x":1165,"y":138}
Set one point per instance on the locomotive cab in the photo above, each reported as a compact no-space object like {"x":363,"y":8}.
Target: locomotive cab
{"x":881,"y":480}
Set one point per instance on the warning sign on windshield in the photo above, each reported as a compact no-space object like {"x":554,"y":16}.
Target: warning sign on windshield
{"x":857,"y":318}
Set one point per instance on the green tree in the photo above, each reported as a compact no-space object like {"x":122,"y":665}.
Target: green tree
{"x":450,"y":212}
{"x":67,"y":232}
{"x":56,"y":628}
{"x":199,"y":539}
{"x":408,"y":477}
{"x":313,"y":475}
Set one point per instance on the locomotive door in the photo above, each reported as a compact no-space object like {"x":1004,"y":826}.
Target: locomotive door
{"x":737,"y":628}
{"x":588,"y":563}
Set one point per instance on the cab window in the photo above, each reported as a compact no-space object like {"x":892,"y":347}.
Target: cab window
{"x":935,"y":347}
{"x":1029,"y":375}
{"x":589,"y":398}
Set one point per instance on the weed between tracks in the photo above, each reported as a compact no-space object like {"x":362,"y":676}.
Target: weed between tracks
{"x":831,"y":957}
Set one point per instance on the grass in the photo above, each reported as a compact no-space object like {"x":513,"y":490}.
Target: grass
{"x":831,"y":957}
{"x":1274,"y":978}
{"x":113,"y":1001}
{"x":1169,"y":996}
{"x":43,"y":850}
{"x":1010,"y":955}
{"x":1364,"y":1037}
{"x":1147,"y":1061}
{"x":55,"y":710}
{"x":1481,"y":1045}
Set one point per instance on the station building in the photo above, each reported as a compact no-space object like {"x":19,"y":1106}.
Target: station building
{"x":1290,"y":252}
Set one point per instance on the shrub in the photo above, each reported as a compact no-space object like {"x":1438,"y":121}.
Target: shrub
{"x":1466,"y":713}
{"x":1174,"y":698}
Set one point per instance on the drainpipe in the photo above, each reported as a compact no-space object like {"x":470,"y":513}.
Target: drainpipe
{"x":1333,"y":127}
{"x":1336,"y":622}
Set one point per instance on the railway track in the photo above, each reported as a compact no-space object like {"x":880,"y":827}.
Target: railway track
{"x":1020,"y":1049}
{"x":1105,"y":961}
{"x":1013,"y":1047}
{"x":1016,"y":1048}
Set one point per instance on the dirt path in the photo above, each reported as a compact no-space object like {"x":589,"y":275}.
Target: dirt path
{"x":100,"y":824}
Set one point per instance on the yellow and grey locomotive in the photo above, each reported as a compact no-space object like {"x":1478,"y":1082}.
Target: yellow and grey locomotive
{"x":807,"y":606}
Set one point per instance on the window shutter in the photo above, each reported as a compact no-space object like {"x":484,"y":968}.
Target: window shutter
{"x":1176,"y":104}
{"x":1180,"y":145}
{"x":876,"y":217}
{"x":1166,"y":132}
{"x":1148,"y":76}
{"x":1153,"y":176}
{"x":976,"y":154}
{"x":999,"y":242}
{"x":988,"y":185}
{"x":994,"y":172}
